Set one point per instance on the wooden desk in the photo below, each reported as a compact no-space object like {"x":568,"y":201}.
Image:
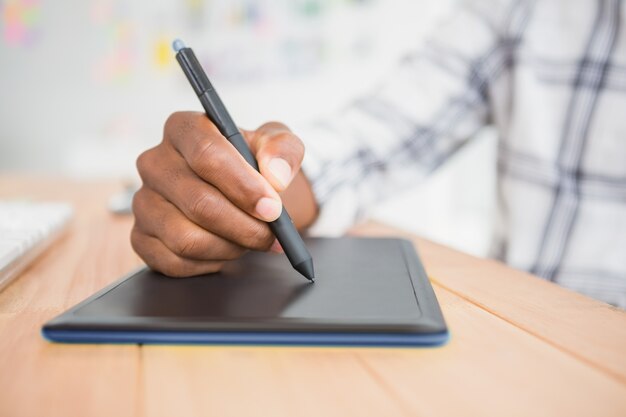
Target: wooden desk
{"x":520,"y":346}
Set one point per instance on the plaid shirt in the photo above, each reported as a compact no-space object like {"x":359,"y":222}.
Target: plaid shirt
{"x":551,"y":76}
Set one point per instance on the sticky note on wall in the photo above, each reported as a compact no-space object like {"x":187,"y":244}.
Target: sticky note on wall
{"x":20,"y":21}
{"x":162,"y":52}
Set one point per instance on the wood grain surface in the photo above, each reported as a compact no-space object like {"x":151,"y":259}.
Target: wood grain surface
{"x":520,"y":346}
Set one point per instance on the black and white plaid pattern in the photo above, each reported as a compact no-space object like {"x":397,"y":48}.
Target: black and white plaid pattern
{"x":551,"y":76}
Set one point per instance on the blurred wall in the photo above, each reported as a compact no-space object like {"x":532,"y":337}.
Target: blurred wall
{"x":85,"y":86}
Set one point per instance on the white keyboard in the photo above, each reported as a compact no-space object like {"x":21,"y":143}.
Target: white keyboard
{"x":27,"y":229}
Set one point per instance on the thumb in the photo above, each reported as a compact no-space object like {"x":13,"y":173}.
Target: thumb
{"x":278,"y":151}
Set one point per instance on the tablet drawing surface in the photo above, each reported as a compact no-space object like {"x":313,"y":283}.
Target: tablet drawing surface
{"x":372,"y":287}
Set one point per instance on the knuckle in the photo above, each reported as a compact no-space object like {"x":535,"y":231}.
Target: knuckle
{"x":204,"y":156}
{"x":284,"y":144}
{"x":258,"y":237}
{"x":148,"y":215}
{"x":206,"y":206}
{"x":136,"y":238}
{"x":273,"y":125}
{"x":292,"y":144}
{"x":187,"y":245}
{"x":169,"y":264}
{"x":172,"y":174}
{"x":299,"y":148}
{"x":174,"y":121}
{"x":285,"y":136}
{"x":160,"y":166}
{"x":138,"y":202}
{"x":144,"y":162}
{"x":174,"y":268}
{"x":179,"y":125}
{"x":177,"y":268}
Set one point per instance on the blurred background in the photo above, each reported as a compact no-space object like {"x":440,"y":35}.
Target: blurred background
{"x":85,"y":86}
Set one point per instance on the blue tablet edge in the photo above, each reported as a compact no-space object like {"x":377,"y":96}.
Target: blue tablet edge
{"x":247,"y":338}
{"x":57,"y":331}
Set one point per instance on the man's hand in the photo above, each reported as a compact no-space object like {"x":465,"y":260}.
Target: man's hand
{"x":201,"y":204}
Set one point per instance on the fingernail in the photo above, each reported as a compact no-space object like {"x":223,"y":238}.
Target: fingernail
{"x":268,"y":208}
{"x":276,"y":248}
{"x":281,"y":170}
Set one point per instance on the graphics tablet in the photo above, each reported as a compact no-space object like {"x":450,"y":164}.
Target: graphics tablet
{"x":367,"y":292}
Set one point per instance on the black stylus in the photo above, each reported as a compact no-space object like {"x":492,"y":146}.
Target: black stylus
{"x":283,"y":227}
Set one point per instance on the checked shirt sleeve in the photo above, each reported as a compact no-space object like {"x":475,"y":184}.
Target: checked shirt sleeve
{"x":426,"y":109}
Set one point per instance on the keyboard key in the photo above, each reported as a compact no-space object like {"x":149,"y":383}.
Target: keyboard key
{"x":26,"y":230}
{"x":8,"y":253}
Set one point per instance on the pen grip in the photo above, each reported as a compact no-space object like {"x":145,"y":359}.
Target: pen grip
{"x":289,"y":238}
{"x":220,"y":117}
{"x":238,"y":141}
{"x":283,"y":227}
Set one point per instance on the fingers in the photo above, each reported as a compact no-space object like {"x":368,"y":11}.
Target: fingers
{"x":278,"y":151}
{"x":159,"y":218}
{"x":161,"y":259}
{"x":185,"y":204}
{"x":217,"y":162}
{"x":201,"y":203}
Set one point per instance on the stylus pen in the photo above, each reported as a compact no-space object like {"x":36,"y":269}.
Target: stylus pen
{"x":283,"y":227}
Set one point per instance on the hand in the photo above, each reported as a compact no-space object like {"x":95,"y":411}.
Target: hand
{"x":201,"y":204}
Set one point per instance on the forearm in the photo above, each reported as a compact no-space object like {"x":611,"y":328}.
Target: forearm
{"x":422,"y":113}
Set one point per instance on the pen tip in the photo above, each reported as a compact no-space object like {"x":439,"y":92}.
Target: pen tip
{"x":178,"y":45}
{"x":306,"y":269}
